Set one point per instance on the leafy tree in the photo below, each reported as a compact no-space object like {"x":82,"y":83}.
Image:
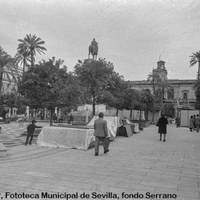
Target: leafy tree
{"x":147,"y":101}
{"x":132,"y":99}
{"x":10,"y":100}
{"x":160,"y":86}
{"x":48,"y":85}
{"x":154,"y":80}
{"x":195,"y":59}
{"x":168,"y":109}
{"x":95,"y":76}
{"x":31,"y":45}
{"x":114,"y":92}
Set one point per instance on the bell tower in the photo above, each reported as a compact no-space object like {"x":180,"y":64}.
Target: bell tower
{"x":161,"y":70}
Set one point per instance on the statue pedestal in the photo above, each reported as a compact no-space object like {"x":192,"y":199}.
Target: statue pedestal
{"x":3,"y":150}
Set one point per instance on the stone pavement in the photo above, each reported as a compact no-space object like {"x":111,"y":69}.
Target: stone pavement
{"x":11,"y":134}
{"x":138,"y":167}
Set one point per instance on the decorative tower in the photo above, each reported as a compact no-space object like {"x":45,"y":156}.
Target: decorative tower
{"x":161,"y":70}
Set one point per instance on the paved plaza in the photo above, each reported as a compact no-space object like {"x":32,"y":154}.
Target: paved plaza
{"x":138,"y":167}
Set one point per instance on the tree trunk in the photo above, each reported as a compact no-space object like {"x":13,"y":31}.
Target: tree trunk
{"x":32,"y":58}
{"x":117,"y":113}
{"x":51,"y":117}
{"x":146,"y":114}
{"x":198,"y":71}
{"x":93,"y":106}
{"x":154,"y":89}
{"x":93,"y":101}
{"x":131,"y":114}
{"x":1,"y":79}
{"x":153,"y":112}
{"x":24,"y":65}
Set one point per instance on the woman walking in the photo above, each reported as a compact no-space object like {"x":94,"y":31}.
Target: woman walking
{"x":162,"y":127}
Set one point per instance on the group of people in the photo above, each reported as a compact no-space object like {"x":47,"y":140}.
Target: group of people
{"x":61,"y":118}
{"x":101,"y":132}
{"x":194,"y":123}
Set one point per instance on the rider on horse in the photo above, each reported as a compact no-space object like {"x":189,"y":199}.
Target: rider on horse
{"x":94,"y":43}
{"x":93,"y":48}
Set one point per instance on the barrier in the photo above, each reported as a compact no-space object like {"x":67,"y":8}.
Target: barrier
{"x":65,"y":137}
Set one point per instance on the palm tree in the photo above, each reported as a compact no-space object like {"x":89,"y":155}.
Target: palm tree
{"x":154,"y":79}
{"x":22,"y":58}
{"x":195,"y":58}
{"x":31,"y":44}
{"x":4,"y":60}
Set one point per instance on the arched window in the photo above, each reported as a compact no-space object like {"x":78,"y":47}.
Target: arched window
{"x":185,"y":96}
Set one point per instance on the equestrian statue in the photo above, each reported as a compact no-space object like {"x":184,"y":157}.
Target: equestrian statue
{"x":93,"y":49}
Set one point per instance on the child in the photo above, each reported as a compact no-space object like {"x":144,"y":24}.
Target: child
{"x":30,"y":131}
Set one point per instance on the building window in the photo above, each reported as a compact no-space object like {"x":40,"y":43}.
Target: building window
{"x":185,"y":96}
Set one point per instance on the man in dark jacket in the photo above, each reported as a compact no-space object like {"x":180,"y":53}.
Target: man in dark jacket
{"x":30,"y":130}
{"x":101,"y":134}
{"x":162,"y":127}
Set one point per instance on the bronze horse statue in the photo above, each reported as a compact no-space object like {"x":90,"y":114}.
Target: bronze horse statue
{"x":93,"y":49}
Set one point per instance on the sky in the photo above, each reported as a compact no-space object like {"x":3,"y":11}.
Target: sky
{"x":132,"y":34}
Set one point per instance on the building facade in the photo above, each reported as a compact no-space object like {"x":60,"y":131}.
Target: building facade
{"x":180,"y":93}
{"x":11,"y":75}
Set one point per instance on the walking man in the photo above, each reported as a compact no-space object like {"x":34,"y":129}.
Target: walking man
{"x":30,"y":130}
{"x":101,"y":134}
{"x":162,"y":127}
{"x":197,"y":122}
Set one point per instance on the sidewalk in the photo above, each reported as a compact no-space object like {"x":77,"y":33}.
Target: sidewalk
{"x":139,"y":166}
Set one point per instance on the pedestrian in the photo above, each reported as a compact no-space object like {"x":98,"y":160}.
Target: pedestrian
{"x":162,"y":127}
{"x":178,"y":122}
{"x":71,"y":118}
{"x":194,"y":121}
{"x":197,"y":122}
{"x":191,"y":124}
{"x":101,"y":134}
{"x":30,"y":130}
